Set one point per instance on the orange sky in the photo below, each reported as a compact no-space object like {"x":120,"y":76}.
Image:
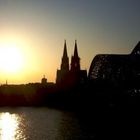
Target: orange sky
{"x":33,"y":33}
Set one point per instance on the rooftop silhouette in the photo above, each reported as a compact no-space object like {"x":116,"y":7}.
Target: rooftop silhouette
{"x":112,"y":79}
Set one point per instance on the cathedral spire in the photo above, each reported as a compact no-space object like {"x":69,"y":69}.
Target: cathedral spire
{"x":65,"y":59}
{"x":70,"y":77}
{"x":65,"y":50}
{"x":75,"y":50}
{"x":75,"y":60}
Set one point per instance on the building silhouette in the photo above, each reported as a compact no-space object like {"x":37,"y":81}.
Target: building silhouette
{"x":70,"y":75}
{"x":44,"y":80}
{"x":116,"y":69}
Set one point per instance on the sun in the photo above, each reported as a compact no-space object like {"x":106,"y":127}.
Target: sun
{"x":11,"y":58}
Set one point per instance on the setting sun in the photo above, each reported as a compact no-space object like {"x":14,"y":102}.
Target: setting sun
{"x":11,"y":58}
{"x":20,"y":59}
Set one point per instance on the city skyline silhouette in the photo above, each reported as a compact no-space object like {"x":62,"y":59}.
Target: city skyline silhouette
{"x":32,"y":34}
{"x":69,"y":70}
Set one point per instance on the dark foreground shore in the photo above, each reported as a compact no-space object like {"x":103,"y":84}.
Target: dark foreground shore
{"x":112,"y":114}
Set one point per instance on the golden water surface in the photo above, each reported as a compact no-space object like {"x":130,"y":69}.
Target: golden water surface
{"x":11,"y":127}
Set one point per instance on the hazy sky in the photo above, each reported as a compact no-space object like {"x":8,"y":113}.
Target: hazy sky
{"x":39,"y":27}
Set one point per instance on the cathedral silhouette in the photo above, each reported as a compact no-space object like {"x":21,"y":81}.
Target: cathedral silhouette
{"x":71,"y":75}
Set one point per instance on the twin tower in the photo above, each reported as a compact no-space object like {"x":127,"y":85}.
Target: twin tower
{"x":70,"y":74}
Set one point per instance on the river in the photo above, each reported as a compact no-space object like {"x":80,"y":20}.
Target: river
{"x":43,"y":123}
{"x":40,"y":123}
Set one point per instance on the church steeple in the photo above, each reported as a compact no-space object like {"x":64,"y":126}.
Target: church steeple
{"x":65,"y":50}
{"x":65,"y":59}
{"x":75,"y":50}
{"x":69,"y":77}
{"x":75,"y":60}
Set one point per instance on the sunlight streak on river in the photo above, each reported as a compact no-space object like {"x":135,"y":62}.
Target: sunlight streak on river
{"x":10,"y":127}
{"x":39,"y":123}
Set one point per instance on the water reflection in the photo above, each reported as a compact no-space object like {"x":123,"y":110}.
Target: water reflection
{"x":10,"y":126}
{"x":41,"y":124}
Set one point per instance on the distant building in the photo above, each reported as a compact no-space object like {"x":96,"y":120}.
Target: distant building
{"x":116,"y":69}
{"x":44,"y":80}
{"x":71,"y":75}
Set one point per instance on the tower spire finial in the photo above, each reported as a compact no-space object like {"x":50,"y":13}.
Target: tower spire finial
{"x":75,"y":49}
{"x":65,"y":49}
{"x":65,"y":59}
{"x":75,"y":60}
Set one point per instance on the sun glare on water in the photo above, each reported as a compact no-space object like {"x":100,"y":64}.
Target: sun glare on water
{"x":11,"y":58}
{"x":9,"y":127}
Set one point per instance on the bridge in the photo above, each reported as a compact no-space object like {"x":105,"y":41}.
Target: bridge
{"x":116,"y":68}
